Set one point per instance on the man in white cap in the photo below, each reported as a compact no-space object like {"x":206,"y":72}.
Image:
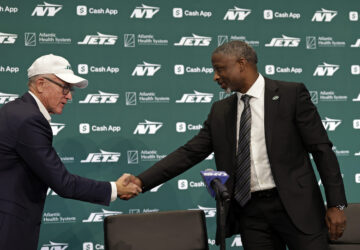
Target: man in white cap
{"x":29,"y":165}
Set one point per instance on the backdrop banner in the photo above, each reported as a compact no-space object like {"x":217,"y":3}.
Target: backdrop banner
{"x":151,"y":88}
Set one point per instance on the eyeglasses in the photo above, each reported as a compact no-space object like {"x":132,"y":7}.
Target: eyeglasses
{"x":66,"y":89}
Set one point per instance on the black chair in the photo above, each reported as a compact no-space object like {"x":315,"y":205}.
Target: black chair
{"x":351,"y":237}
{"x":171,"y":230}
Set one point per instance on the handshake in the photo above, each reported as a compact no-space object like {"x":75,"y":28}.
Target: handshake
{"x":128,"y":186}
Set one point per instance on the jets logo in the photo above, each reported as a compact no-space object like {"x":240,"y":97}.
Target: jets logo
{"x":324,"y":15}
{"x":197,"y":97}
{"x":147,"y":127}
{"x":47,"y":9}
{"x":144,"y":11}
{"x":6,"y":38}
{"x":147,"y":69}
{"x":194,"y":40}
{"x":326,"y":69}
{"x":331,"y":124}
{"x":237,"y":14}
{"x":99,"y":39}
{"x":284,"y":41}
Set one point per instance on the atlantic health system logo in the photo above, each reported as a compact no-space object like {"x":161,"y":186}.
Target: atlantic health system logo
{"x":130,"y":40}
{"x":312,"y":42}
{"x":226,"y":38}
{"x":326,"y":96}
{"x":144,"y":98}
{"x":135,"y":156}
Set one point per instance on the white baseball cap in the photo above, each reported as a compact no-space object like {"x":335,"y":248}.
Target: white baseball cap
{"x":59,"y":66}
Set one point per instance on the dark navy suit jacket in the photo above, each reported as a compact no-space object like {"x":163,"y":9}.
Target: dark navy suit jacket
{"x":293,"y":129}
{"x":29,"y":165}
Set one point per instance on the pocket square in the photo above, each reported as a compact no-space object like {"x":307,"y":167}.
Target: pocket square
{"x":276,"y":97}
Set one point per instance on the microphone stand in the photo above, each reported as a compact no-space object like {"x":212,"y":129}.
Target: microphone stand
{"x":221,"y":207}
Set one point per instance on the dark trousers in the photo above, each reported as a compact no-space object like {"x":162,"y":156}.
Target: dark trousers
{"x":265,"y":225}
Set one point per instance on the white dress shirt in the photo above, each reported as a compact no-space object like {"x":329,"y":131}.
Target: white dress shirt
{"x":41,"y":107}
{"x":48,"y":118}
{"x":261,"y":176}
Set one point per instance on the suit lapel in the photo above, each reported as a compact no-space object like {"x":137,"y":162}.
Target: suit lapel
{"x":28,"y":98}
{"x":271,"y":102}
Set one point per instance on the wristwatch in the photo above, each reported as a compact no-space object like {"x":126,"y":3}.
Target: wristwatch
{"x":340,"y":207}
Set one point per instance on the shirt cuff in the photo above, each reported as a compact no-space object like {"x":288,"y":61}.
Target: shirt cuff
{"x":113,"y":191}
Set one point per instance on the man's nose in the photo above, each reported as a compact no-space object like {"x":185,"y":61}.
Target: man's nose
{"x":68,"y":96}
{"x":216,"y":76}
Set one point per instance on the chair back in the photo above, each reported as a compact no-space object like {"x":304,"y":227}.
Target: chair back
{"x":351,"y":237}
{"x":171,"y":230}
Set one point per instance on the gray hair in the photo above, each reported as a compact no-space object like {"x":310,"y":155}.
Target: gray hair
{"x":33,"y":79}
{"x":239,"y":49}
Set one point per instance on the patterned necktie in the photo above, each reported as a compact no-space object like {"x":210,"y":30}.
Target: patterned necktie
{"x":242,"y":173}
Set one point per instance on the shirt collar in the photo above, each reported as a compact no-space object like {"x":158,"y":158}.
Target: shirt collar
{"x":256,"y":89}
{"x":41,"y":107}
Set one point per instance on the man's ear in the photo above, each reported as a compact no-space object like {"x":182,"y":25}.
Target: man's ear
{"x":40,"y":85}
{"x":242,"y":64}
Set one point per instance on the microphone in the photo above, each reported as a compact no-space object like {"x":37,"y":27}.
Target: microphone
{"x":215,"y":181}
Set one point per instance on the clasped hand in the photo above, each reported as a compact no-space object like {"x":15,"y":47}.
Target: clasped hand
{"x":128,"y":186}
